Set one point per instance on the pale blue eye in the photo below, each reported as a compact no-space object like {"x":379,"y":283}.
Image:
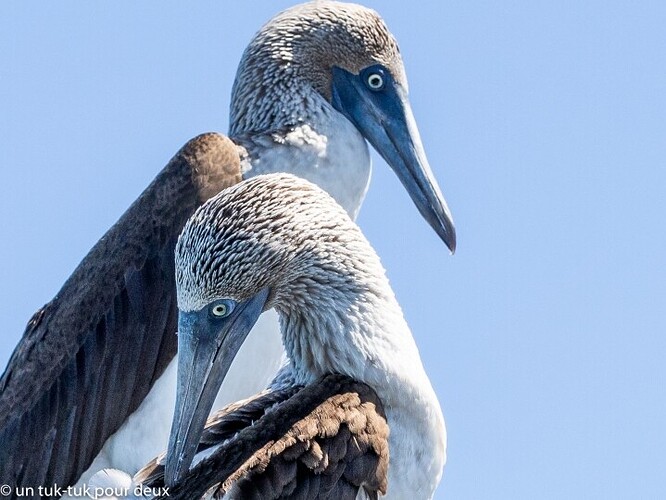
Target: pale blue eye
{"x":375,"y":81}
{"x":222,"y":309}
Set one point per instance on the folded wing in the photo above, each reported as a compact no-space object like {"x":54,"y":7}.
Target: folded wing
{"x":326,"y":440}
{"x":89,"y":357}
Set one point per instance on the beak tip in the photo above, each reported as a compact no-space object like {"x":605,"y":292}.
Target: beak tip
{"x":445,"y":229}
{"x":451,"y":241}
{"x":169,"y":475}
{"x":172,"y":472}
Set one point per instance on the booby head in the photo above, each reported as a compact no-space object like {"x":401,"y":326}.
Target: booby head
{"x":276,"y":241}
{"x":341,"y":58}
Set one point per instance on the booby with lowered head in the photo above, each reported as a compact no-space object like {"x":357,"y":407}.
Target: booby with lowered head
{"x":314,"y":84}
{"x":319,"y":430}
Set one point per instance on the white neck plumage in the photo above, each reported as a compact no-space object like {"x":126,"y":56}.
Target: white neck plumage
{"x":319,"y":144}
{"x":360,"y":331}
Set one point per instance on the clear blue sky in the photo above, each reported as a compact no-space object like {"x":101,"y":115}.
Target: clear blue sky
{"x":545,"y":122}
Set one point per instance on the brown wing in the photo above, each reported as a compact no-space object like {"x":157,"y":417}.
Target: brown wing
{"x":328,"y":440}
{"x":222,"y":425}
{"x":89,"y":357}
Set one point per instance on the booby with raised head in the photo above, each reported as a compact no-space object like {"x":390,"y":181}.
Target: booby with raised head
{"x":314,"y":84}
{"x":354,"y":392}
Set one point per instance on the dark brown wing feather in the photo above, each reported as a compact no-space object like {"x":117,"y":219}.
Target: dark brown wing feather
{"x":222,"y":425}
{"x":325,"y":441}
{"x":89,"y":357}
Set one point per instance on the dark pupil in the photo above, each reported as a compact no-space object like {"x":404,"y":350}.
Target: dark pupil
{"x":219,"y":309}
{"x":375,"y":81}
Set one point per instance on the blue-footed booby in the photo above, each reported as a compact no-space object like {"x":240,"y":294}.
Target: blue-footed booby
{"x":313,"y":85}
{"x":354,"y":394}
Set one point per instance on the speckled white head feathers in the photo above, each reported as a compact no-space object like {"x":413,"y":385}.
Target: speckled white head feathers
{"x":298,"y":48}
{"x":276,"y":231}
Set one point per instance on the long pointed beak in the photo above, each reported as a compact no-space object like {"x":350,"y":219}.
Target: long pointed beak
{"x":385,"y":119}
{"x":206,"y":349}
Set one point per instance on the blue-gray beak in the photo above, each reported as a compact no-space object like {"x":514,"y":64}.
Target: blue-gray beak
{"x":206,"y":348}
{"x":380,"y":110}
